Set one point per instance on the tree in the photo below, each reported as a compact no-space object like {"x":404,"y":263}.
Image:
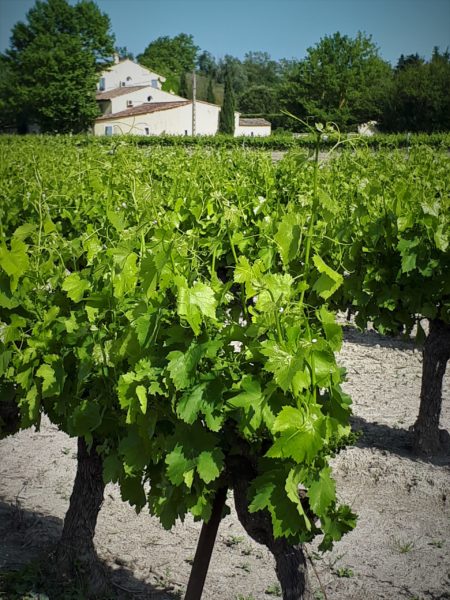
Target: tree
{"x":258,"y":99}
{"x":182,"y":88}
{"x":170,"y":56}
{"x":261,"y":69}
{"x":233,"y":66}
{"x":420,"y":99}
{"x":123,"y":53}
{"x":341,"y":80}
{"x":206,"y":64}
{"x":226,"y":118}
{"x":210,"y":97}
{"x":53,"y":64}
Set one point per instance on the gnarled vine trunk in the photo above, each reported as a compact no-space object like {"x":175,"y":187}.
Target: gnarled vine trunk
{"x":436,"y":353}
{"x":291,"y":566}
{"x":76,"y":558}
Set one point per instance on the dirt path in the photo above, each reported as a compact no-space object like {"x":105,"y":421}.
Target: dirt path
{"x":400,"y":548}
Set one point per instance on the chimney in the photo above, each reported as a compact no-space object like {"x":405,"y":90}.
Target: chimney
{"x":116,"y":58}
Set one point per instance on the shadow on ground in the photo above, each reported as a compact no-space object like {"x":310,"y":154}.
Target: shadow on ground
{"x":28,"y":538}
{"x":397,"y":441}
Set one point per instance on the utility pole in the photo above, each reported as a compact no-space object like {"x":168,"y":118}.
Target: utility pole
{"x":194,"y":92}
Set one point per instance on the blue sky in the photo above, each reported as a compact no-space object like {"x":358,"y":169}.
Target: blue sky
{"x":283,"y":28}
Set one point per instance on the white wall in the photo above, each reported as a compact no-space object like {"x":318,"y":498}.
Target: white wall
{"x":174,"y":121}
{"x":256,"y":131}
{"x":119,"y":73}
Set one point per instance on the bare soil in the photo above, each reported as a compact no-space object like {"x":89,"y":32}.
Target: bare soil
{"x":400,"y":548}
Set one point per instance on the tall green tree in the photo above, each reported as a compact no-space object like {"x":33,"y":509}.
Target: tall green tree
{"x":206,"y":64}
{"x":232,"y":66}
{"x":52,"y":66}
{"x":420,"y":100}
{"x":210,"y":96}
{"x":343,"y":80}
{"x":170,"y":57}
{"x":183,"y":87}
{"x":226,"y":118}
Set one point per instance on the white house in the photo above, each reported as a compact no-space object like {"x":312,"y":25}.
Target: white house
{"x":132,"y":102}
{"x":256,"y":127}
{"x":125,"y":73}
{"x":157,"y":118}
{"x":119,"y":99}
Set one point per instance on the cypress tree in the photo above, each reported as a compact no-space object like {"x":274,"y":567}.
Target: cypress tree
{"x":226,"y":119}
{"x":210,"y":92}
{"x":183,"y":90}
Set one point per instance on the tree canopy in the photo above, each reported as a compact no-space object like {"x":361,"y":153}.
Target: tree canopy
{"x":420,"y":99}
{"x":170,"y":57}
{"x":52,"y":65}
{"x":341,"y":80}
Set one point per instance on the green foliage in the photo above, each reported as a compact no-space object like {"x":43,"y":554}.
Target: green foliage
{"x":258,"y":99}
{"x":182,"y":88}
{"x":226,"y":117}
{"x":341,"y":80}
{"x":175,"y":332}
{"x":170,"y":56}
{"x":52,"y":64}
{"x":420,"y":99}
{"x":210,"y":96}
{"x":395,"y":236}
{"x":185,"y":331}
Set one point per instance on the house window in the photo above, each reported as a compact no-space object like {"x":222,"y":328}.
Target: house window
{"x":185,"y":132}
{"x":149,"y":98}
{"x":129,"y":103}
{"x":147,"y":131}
{"x":128,"y":78}
{"x":102,"y":85}
{"x":108,"y":130}
{"x":154,"y":83}
{"x":122,"y":84}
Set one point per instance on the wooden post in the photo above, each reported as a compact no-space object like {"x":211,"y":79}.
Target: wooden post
{"x":205,"y":547}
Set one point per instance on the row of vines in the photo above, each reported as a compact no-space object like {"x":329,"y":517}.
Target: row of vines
{"x":174,"y":311}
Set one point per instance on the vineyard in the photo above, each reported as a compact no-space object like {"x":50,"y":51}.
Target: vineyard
{"x":174,"y":311}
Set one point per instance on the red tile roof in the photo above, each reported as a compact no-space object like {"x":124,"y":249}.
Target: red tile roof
{"x":144,"y":109}
{"x":121,"y":91}
{"x":255,"y":122}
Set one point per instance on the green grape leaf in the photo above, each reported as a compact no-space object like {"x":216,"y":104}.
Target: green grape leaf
{"x":288,"y":236}
{"x":195,"y":303}
{"x":125,"y":277}
{"x":75,"y":287}
{"x":322,"y":492}
{"x":300,"y":435}
{"x":85,"y":418}
{"x":210,"y":464}
{"x":191,"y":403}
{"x":329,"y":280}
{"x":178,"y":464}
{"x":15,"y":261}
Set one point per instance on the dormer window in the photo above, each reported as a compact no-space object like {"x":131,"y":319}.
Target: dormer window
{"x":154,"y":83}
{"x":129,"y":103}
{"x":128,"y":79}
{"x":149,"y":98}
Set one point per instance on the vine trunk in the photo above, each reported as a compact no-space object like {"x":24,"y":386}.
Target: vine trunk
{"x":436,"y":353}
{"x":76,"y":560}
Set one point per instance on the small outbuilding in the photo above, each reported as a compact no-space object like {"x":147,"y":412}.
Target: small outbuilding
{"x":256,"y":127}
